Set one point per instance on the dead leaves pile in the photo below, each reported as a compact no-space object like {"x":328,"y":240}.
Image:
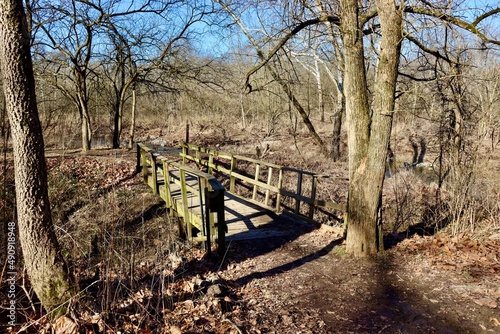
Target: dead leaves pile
{"x":91,"y":173}
{"x":473,"y":265}
{"x":460,"y":253}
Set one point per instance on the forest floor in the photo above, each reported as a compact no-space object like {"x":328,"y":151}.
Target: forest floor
{"x":137,"y":277}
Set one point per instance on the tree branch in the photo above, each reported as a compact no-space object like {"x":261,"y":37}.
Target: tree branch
{"x":422,"y":47}
{"x":471,"y":27}
{"x":286,"y":38}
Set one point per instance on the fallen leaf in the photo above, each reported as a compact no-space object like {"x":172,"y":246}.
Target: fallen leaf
{"x":486,"y":302}
{"x":65,"y":325}
{"x":175,"y":330}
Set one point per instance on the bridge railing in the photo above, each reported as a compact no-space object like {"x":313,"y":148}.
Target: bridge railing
{"x":269,"y":185}
{"x":195,"y":196}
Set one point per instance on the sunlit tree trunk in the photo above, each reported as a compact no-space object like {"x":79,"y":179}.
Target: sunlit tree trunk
{"x":132,"y":121}
{"x":83,"y":107}
{"x":42,"y":257}
{"x":368,"y":137}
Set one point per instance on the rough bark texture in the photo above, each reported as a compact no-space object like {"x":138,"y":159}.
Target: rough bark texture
{"x":368,"y":137}
{"x":132,"y":121}
{"x":337,"y":126}
{"x":44,"y":263}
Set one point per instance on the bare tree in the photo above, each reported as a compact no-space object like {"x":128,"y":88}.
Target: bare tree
{"x":44,"y":262}
{"x":274,"y":72}
{"x":369,"y":116}
{"x":65,"y":35}
{"x":141,"y":43}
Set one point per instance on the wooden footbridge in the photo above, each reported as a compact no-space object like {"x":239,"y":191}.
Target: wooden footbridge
{"x":219,"y":196}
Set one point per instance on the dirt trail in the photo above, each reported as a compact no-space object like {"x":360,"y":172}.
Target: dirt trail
{"x":397,"y":292}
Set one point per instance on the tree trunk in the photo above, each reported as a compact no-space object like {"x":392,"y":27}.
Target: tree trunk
{"x":368,"y":138}
{"x":86,"y":131}
{"x":45,"y":265}
{"x":337,"y":126}
{"x":132,"y":121}
{"x":118,"y":114}
{"x":116,"y":126}
{"x":317,"y":76}
{"x":83,"y":106}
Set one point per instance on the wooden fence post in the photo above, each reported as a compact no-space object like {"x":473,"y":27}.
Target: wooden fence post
{"x":232,"y":179}
{"x":154,"y":176}
{"x":314,"y":186}
{"x":144,"y":166}
{"x":166,"y":183}
{"x":269,"y":178}
{"x":138,"y":158}
{"x":255,"y":188}
{"x":208,"y":219}
{"x":299,"y":192}
{"x":280,"y":186}
{"x":189,"y":232}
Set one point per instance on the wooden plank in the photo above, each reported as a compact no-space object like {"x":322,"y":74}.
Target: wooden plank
{"x":269,"y":179}
{"x":256,"y":180}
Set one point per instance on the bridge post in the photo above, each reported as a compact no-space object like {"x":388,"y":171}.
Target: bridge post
{"x":210,"y":163}
{"x":232,"y":179}
{"x":278,"y":195}
{"x":215,"y":204}
{"x":185,"y":152}
{"x":269,"y":179}
{"x":208,"y":221}
{"x":166,"y":182}
{"x":185,"y":206}
{"x":256,"y":178}
{"x":221,"y":224}
{"x":144,"y":167}
{"x":313,"y":196}
{"x":154,"y":177}
{"x":299,"y":193}
{"x":138,"y":159}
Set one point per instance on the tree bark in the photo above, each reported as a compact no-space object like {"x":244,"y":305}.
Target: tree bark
{"x":83,"y":106}
{"x":86,"y":130}
{"x":369,"y":136}
{"x":117,"y":125}
{"x":337,"y":126}
{"x":132,"y":121}
{"x":45,"y":265}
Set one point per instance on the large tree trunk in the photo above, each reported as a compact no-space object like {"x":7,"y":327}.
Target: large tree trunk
{"x":368,"y":138}
{"x":45,"y":265}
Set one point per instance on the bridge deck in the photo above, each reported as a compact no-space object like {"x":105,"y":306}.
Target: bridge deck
{"x":244,"y":219}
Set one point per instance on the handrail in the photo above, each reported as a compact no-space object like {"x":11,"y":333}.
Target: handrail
{"x":168,"y":178}
{"x":264,"y":178}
